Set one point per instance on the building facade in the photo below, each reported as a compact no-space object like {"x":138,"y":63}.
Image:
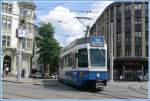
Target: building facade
{"x":17,"y":37}
{"x":125,"y":27}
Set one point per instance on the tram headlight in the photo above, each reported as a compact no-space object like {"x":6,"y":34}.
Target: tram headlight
{"x":97,"y":74}
{"x":81,"y":74}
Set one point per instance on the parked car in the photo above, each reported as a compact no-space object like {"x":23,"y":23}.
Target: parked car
{"x":52,"y":76}
{"x":37,"y":75}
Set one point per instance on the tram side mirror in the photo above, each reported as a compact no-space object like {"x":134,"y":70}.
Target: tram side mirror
{"x":76,"y":55}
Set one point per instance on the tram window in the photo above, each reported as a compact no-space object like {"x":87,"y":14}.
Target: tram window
{"x":97,"y":57}
{"x":82,"y":58}
{"x":70,"y":60}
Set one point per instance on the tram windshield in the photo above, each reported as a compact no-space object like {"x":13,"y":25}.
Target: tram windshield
{"x":82,"y":58}
{"x":97,"y":57}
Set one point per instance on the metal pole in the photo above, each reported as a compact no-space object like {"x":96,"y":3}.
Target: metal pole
{"x":1,"y":53}
{"x":111,"y":52}
{"x":142,"y":72}
{"x":19,"y":63}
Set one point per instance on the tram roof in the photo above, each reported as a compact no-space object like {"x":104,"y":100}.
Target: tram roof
{"x":82,"y":41}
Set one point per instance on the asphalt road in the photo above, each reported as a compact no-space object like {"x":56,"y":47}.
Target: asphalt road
{"x":117,"y":90}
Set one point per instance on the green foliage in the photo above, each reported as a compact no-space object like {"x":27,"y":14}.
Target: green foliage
{"x":48,"y":47}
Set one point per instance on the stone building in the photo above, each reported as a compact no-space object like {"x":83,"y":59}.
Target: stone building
{"x":125,"y":27}
{"x":17,"y":36}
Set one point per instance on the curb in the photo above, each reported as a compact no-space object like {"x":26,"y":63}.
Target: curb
{"x":12,"y":81}
{"x":44,"y":84}
{"x":15,"y":81}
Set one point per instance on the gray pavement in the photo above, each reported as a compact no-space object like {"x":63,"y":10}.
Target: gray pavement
{"x":31,"y":81}
{"x":43,"y":88}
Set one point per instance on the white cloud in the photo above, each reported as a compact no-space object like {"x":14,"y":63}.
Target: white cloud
{"x":66,"y":26}
{"x":96,"y":9}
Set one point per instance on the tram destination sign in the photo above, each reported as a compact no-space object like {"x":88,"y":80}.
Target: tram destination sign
{"x":97,"y":41}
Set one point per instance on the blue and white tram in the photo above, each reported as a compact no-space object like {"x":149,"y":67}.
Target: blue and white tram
{"x":83,"y":63}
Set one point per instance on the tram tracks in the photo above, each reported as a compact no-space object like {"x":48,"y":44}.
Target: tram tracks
{"x":17,"y":96}
{"x":119,"y":95}
{"x":131,"y":87}
{"x":109,"y":93}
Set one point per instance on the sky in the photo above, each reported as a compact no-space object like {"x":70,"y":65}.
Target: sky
{"x":63,"y":16}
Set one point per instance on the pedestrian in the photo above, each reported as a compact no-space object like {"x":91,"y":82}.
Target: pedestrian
{"x":139,"y":78}
{"x":7,"y":70}
{"x":23,"y":73}
{"x":121,"y":77}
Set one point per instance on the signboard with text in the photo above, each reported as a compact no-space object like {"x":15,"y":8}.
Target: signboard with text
{"x":21,"y":33}
{"x":97,"y":41}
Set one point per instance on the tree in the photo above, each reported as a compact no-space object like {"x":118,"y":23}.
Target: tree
{"x":48,"y":48}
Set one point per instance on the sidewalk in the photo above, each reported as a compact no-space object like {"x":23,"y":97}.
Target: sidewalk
{"x":21,"y":80}
{"x":45,"y":82}
{"x":142,"y":84}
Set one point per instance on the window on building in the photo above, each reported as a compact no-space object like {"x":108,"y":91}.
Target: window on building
{"x":23,"y":44}
{"x":128,"y":7}
{"x":137,"y":6}
{"x":6,"y":7}
{"x":119,"y":37}
{"x":29,"y":27}
{"x":7,"y":24}
{"x":28,"y":43}
{"x":146,"y":23}
{"x":6,"y":41}
{"x":138,"y":20}
{"x":127,"y":25}
{"x":127,"y":39}
{"x":9,"y":8}
{"x":146,"y":6}
{"x":146,"y":36}
{"x":118,"y":9}
{"x":138,"y":11}
{"x":27,"y":12}
{"x":138,"y":38}
{"x":147,"y":50}
{"x":146,"y":10}
{"x":138,"y":34}
{"x":138,"y":51}
{"x":119,"y":51}
{"x":127,"y":51}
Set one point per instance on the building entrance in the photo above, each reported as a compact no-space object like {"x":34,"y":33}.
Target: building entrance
{"x":130,"y":69}
{"x":6,"y":65}
{"x":131,"y":73}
